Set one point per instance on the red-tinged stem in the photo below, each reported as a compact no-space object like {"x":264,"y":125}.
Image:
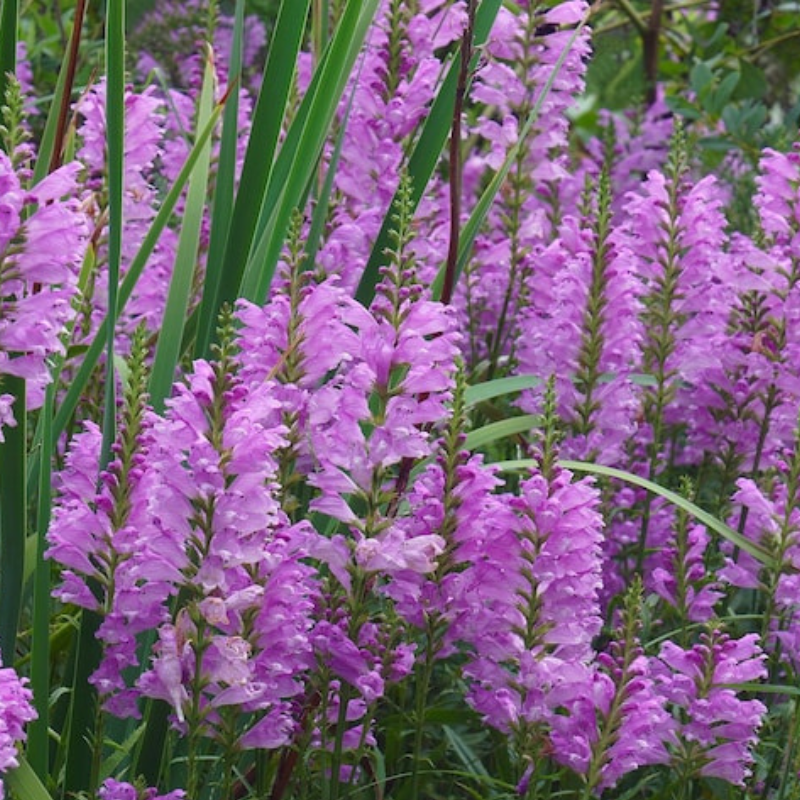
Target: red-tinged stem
{"x":455,"y":157}
{"x":72,"y":65}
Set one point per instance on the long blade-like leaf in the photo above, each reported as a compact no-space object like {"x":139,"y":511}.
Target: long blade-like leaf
{"x":115,"y":148}
{"x":222,"y":210}
{"x":322,"y":103}
{"x":501,"y":430}
{"x":498,"y":387}
{"x":55,"y":129}
{"x":24,"y":783}
{"x":268,"y":120}
{"x":709,"y":520}
{"x":13,"y":518}
{"x":180,"y":289}
{"x":38,"y":742}
{"x":9,"y":22}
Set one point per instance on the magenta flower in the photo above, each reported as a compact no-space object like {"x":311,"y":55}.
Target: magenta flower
{"x":40,"y":255}
{"x":535,"y":612}
{"x":120,"y":790}
{"x":718,"y":730}
{"x":16,"y":710}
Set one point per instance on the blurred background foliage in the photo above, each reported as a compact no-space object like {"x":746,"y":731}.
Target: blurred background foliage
{"x":739,"y":60}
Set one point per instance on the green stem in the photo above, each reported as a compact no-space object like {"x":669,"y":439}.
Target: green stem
{"x":423,"y":684}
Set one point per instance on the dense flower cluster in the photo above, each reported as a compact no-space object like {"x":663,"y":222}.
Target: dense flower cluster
{"x":15,"y":711}
{"x":42,"y":242}
{"x":309,"y":536}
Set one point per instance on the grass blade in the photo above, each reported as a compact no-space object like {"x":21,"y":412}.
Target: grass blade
{"x":180,"y":288}
{"x":80,"y":733}
{"x":51,"y":148}
{"x":115,"y":147}
{"x":24,"y":783}
{"x":709,"y":520}
{"x":499,"y":387}
{"x":268,"y":118}
{"x":501,"y":430}
{"x":13,"y":518}
{"x":335,"y":69}
{"x":222,"y":210}
{"x":427,"y":150}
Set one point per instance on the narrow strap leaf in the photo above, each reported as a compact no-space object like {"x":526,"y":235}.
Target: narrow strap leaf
{"x":501,"y":430}
{"x":268,"y":118}
{"x":9,"y":22}
{"x":13,"y":517}
{"x":335,"y":70}
{"x":222,"y":209}
{"x":180,"y":288}
{"x":709,"y":520}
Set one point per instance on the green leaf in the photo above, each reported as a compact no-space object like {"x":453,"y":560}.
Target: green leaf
{"x":180,"y":288}
{"x":13,"y":517}
{"x":763,"y":688}
{"x":268,"y":118}
{"x":24,"y":783}
{"x":465,"y":753}
{"x":721,"y":97}
{"x":9,"y":23}
{"x":499,"y":387}
{"x":709,"y":520}
{"x":115,"y":149}
{"x":427,"y":150}
{"x":752,"y":84}
{"x":700,"y":77}
{"x":224,"y":184}
{"x":321,"y":104}
{"x":38,"y":745}
{"x":501,"y":430}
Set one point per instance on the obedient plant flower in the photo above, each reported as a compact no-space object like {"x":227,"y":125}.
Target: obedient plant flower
{"x":632,"y":727}
{"x":519,"y":60}
{"x":387,"y":98}
{"x":582,"y":326}
{"x":42,"y":242}
{"x":717,"y":729}
{"x":242,"y":639}
{"x":685,"y":583}
{"x":772,"y":520}
{"x":16,"y":710}
{"x":535,"y":613}
{"x":143,"y":146}
{"x":121,"y":790}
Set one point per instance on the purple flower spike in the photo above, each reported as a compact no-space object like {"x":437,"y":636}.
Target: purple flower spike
{"x":16,"y":711}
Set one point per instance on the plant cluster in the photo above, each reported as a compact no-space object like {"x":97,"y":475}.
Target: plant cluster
{"x":374,"y":423}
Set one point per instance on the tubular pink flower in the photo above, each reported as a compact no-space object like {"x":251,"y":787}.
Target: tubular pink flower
{"x":16,"y":710}
{"x":39,"y":262}
{"x":719,"y":727}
